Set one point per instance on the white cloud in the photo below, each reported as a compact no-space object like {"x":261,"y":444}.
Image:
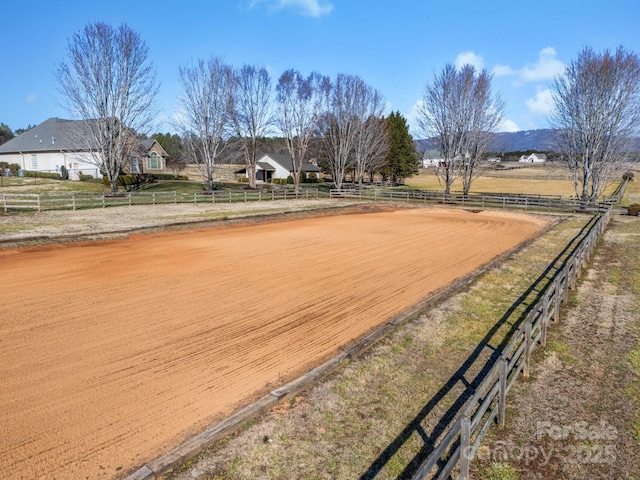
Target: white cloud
{"x":308,"y":8}
{"x":542,"y":103}
{"x":31,"y":98}
{"x":469,"y":58}
{"x":508,"y":126}
{"x":503,"y":70}
{"x":546,"y":68}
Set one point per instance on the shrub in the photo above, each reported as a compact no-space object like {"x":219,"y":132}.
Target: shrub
{"x":182,"y":177}
{"x":628,"y":176}
{"x":165,"y":176}
{"x":289,"y":180}
{"x":84,"y":178}
{"x":28,"y":173}
{"x":64,"y":173}
{"x":633,"y":209}
{"x":134,"y":181}
{"x":243,"y":180}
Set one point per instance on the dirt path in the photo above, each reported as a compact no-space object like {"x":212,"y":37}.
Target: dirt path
{"x":576,"y":416}
{"x":114,"y":352}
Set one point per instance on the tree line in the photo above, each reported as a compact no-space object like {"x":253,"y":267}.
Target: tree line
{"x":107,"y":79}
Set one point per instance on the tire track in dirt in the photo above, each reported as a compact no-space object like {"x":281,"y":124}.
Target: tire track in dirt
{"x":114,"y":352}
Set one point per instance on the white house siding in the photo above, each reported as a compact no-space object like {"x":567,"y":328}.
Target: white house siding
{"x":52,"y":161}
{"x":280,"y":171}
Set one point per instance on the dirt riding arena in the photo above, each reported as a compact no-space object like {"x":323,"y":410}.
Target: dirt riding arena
{"x":114,"y":352}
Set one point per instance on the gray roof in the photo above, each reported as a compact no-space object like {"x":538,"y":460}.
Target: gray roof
{"x":57,"y":134}
{"x":52,"y":135}
{"x":266,"y":166}
{"x":284,"y":159}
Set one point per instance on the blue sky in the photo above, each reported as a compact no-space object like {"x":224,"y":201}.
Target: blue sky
{"x":396,"y":46}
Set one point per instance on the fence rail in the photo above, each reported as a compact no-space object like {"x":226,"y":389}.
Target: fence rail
{"x":488,"y":403}
{"x":477,"y":200}
{"x":76,"y":201}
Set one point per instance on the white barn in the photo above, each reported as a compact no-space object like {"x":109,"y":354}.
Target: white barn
{"x":279,"y":166}
{"x":533,"y":158}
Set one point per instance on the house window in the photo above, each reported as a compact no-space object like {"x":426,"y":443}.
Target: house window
{"x":134,"y":165}
{"x":34,"y":161}
{"x":154,"y":162}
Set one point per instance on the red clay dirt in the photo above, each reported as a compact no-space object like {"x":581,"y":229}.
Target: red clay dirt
{"x":114,"y":352}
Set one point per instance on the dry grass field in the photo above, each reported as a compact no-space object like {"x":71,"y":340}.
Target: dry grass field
{"x":545,"y":179}
{"x":113,"y":352}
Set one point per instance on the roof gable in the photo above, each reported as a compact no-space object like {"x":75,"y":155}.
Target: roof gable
{"x":284,"y":160}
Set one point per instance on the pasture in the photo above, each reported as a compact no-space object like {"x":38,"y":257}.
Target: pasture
{"x":114,"y":352}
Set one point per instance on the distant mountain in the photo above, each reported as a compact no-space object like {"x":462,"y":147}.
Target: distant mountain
{"x":541,"y":140}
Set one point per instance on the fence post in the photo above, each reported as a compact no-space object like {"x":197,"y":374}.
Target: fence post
{"x":229,"y":196}
{"x":39,"y":206}
{"x":545,"y":318}
{"x":502,"y":392}
{"x":556,"y":300}
{"x":4,"y":198}
{"x":175,"y":197}
{"x":73,"y":201}
{"x":195,"y":197}
{"x":527,"y":349}
{"x":465,"y":447}
{"x":103,"y":204}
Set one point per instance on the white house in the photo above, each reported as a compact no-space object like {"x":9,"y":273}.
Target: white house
{"x":57,"y":142}
{"x":279,"y":165}
{"x":533,"y":158}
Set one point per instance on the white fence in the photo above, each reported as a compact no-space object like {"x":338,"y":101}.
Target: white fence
{"x":75,"y":201}
{"x":477,"y":200}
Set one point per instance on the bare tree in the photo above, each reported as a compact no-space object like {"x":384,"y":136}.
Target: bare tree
{"x":347,"y":131}
{"x":251,"y":113}
{"x":372,"y":140}
{"x":460,"y":111}
{"x":108,"y":81}
{"x":484,"y":113}
{"x":597,"y":112}
{"x":205,"y":113}
{"x":299,"y":102}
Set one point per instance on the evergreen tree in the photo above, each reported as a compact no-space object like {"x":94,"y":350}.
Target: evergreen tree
{"x":402,"y":159}
{"x":5,"y":133}
{"x":172,"y":144}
